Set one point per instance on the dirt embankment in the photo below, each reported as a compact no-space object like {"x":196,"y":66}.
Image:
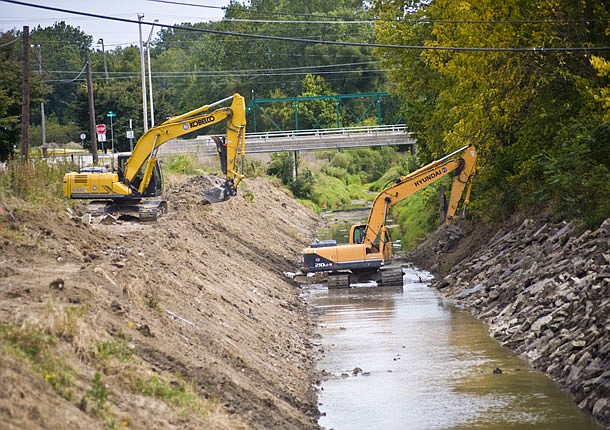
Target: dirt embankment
{"x":544,"y":290}
{"x":185,"y":323}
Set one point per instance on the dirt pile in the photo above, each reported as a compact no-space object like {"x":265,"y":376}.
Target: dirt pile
{"x":544,"y":291}
{"x":185,"y":323}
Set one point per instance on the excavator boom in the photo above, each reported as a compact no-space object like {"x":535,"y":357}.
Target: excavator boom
{"x":462,"y":162}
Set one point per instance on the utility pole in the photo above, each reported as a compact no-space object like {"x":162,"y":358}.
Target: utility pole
{"x":104,"y":54}
{"x":142,"y":69}
{"x":25,"y":96}
{"x":152,"y":111}
{"x":42,"y":123}
{"x":92,"y":130}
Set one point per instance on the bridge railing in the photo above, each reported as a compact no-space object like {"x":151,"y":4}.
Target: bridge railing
{"x":326,"y":132}
{"x":300,"y":140}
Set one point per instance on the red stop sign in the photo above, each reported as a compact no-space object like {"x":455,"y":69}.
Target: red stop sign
{"x":100,"y":128}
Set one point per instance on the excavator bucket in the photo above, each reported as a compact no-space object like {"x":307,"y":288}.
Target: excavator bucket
{"x":453,"y":239}
{"x":227,"y":189}
{"x":221,"y":192}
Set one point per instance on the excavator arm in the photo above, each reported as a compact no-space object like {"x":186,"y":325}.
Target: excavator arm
{"x":462,"y":162}
{"x":145,"y":151}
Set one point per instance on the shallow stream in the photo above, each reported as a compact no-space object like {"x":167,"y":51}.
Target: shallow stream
{"x":408,"y":359}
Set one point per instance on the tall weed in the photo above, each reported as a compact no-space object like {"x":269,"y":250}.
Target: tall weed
{"x":35,"y":181}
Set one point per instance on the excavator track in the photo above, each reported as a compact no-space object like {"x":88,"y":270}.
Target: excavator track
{"x":391,"y":276}
{"x":142,"y":210}
{"x":338,"y":280}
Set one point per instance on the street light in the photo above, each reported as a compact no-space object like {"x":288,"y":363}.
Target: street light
{"x":104,"y":54}
{"x":142,"y":69}
{"x":152,"y":110}
{"x":42,"y":123}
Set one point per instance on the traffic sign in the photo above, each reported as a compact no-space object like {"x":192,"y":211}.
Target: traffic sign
{"x":100,"y":128}
{"x":83,"y":136}
{"x":110,"y":114}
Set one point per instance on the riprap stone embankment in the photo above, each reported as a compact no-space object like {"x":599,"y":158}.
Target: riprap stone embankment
{"x":544,"y":291}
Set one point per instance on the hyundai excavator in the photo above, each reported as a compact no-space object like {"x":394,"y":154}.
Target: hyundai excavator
{"x":368,"y":255}
{"x":131,"y":187}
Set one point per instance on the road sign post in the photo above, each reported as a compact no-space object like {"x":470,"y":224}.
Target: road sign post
{"x":100,"y":129}
{"x":111,"y":115}
{"x":130,"y":135}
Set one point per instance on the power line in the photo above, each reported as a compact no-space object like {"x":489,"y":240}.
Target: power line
{"x":9,"y":43}
{"x":325,"y":42}
{"x":277,"y":69}
{"x":348,"y":19}
{"x":278,"y":21}
{"x":189,"y":4}
{"x":67,"y":81}
{"x":221,"y":74}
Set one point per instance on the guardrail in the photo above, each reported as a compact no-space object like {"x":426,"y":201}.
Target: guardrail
{"x":300,"y":140}
{"x":273,"y":141}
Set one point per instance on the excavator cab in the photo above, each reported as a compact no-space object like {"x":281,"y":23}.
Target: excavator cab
{"x":382,"y":242}
{"x":357,"y":233}
{"x":154,"y":188}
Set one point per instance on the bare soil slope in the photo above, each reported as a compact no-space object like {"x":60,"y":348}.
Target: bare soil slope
{"x":185,"y":323}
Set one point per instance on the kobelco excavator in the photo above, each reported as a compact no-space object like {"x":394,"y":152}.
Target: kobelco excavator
{"x":368,"y":255}
{"x":129,"y":188}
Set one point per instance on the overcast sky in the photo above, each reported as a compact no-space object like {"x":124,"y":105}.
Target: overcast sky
{"x":114,"y":33}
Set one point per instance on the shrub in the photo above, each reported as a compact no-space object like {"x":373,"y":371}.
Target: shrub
{"x":302,"y":187}
{"x":330,"y":193}
{"x":184,"y":164}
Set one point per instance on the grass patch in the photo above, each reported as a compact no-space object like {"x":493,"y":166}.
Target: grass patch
{"x":176,"y":392}
{"x":37,"y":348}
{"x":417,"y":216}
{"x":114,"y":348}
{"x":99,"y":395}
{"x":330,"y":193}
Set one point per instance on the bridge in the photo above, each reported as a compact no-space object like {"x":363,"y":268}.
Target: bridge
{"x":300,"y":140}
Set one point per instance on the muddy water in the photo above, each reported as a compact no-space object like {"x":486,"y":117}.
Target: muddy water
{"x":406,"y":359}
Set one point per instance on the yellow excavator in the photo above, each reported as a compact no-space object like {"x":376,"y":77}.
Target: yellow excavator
{"x":368,"y":255}
{"x":129,"y":188}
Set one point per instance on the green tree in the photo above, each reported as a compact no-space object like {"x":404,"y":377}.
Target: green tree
{"x":602,"y":67}
{"x":516,"y":106}
{"x":281,"y":166}
{"x":10,"y":94}
{"x":316,"y":113}
{"x":63,"y":57}
{"x":11,"y":81}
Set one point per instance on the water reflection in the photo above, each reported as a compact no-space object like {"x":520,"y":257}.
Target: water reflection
{"x":405,"y":359}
